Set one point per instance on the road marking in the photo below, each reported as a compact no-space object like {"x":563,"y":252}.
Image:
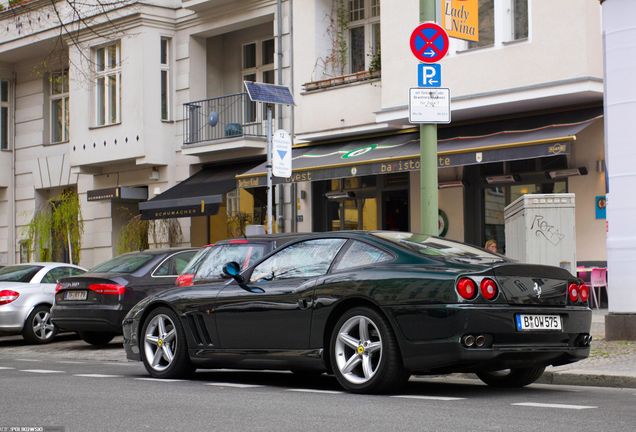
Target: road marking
{"x":70,"y":362}
{"x":315,"y":391}
{"x":98,"y":376}
{"x":234,"y":385}
{"x":440,"y":398}
{"x":159,"y":379}
{"x":113,"y":363}
{"x":29,"y":360}
{"x":42,"y":371}
{"x":4,"y":367}
{"x":561,"y":406}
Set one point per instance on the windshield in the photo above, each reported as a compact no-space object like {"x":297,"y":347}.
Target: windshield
{"x":196,"y":260}
{"x":439,"y":247}
{"x":123,"y":264}
{"x":245,"y":254}
{"x":18,"y":273}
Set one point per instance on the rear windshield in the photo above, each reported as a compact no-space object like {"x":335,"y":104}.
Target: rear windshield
{"x":245,"y":254}
{"x":18,"y":273}
{"x":442,"y":248}
{"x":123,"y":264}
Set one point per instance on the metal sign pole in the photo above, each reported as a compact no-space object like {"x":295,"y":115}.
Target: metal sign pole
{"x":269,"y":169}
{"x":428,"y":155}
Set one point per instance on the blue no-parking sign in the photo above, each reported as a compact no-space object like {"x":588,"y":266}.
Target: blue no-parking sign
{"x":429,"y":75}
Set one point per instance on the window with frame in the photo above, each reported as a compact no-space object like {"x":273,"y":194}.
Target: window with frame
{"x":258,"y":66}
{"x":364,"y":34}
{"x":165,"y":79}
{"x":519,"y":15}
{"x":508,"y":26}
{"x":59,"y":106}
{"x":4,"y":114}
{"x":486,"y":11}
{"x":108,"y":76}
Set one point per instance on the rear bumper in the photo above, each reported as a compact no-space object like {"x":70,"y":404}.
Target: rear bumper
{"x":12,"y":318}
{"x":431,"y":338}
{"x":103,"y":318}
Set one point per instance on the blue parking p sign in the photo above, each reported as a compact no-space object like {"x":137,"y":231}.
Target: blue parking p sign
{"x":429,"y":75}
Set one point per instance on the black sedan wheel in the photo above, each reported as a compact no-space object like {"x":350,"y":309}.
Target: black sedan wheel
{"x":38,"y":328}
{"x":511,"y":377}
{"x":163,"y":347}
{"x":364,"y":353}
{"x":96,"y":338}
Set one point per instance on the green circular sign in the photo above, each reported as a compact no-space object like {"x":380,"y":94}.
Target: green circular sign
{"x":443,"y":223}
{"x":358,"y":152}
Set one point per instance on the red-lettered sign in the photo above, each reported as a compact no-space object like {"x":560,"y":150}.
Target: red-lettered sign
{"x":429,"y":43}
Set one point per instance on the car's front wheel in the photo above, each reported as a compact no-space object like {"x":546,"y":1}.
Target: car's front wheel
{"x":164,"y":350}
{"x":38,"y":328}
{"x":96,"y":338}
{"x":364,"y":352}
{"x":511,"y":377}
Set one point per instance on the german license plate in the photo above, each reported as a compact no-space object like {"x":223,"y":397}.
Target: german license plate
{"x":538,"y":322}
{"x":75,"y":295}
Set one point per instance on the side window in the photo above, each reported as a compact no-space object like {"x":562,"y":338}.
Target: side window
{"x":243,"y":253}
{"x":181,"y":261}
{"x":55,"y":274}
{"x":306,"y":259}
{"x":360,"y":254}
{"x":163,"y":269}
{"x":75,"y":271}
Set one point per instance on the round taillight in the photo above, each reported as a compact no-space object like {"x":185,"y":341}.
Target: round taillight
{"x":466,"y":288}
{"x":8,"y":296}
{"x":488,"y":289}
{"x":573,"y":289}
{"x":584,"y":292}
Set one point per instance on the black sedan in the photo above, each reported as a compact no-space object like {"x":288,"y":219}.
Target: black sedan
{"x":95,"y":303}
{"x":372,"y":308}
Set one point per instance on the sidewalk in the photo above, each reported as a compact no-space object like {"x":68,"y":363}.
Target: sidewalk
{"x":610,"y":364}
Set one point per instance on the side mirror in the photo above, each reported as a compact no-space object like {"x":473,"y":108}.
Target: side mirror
{"x":233,"y":269}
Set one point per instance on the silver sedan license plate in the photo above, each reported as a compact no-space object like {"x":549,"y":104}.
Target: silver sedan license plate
{"x":75,"y":295}
{"x":538,"y":322}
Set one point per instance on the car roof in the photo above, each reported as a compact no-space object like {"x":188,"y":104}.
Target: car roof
{"x":261,"y":237}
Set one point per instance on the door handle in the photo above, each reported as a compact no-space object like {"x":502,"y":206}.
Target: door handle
{"x":302,"y":303}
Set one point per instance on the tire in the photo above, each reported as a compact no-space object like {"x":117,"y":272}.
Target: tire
{"x":38,"y":328}
{"x":511,"y":377}
{"x":96,"y":338}
{"x":364,"y":353}
{"x":163,"y":345}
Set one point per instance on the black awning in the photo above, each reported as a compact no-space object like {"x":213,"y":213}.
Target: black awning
{"x":199,"y":195}
{"x":401,"y":152}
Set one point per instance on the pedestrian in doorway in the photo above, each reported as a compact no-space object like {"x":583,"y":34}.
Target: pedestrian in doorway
{"x":491,"y":245}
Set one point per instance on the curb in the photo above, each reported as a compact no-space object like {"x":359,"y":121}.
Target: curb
{"x":589,"y":378}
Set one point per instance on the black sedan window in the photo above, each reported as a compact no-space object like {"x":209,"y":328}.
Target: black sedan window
{"x":59,"y":273}
{"x":18,"y":273}
{"x":179,"y":260}
{"x":243,"y":253}
{"x":360,"y":254}
{"x":306,"y":259}
{"x":123,"y":264}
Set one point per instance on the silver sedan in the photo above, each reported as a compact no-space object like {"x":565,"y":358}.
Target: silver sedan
{"x":27,"y":292}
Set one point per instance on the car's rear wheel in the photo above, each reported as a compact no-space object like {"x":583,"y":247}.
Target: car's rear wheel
{"x":511,"y":377}
{"x":96,"y":338}
{"x":164,"y":350}
{"x":364,"y":352}
{"x":38,"y":328}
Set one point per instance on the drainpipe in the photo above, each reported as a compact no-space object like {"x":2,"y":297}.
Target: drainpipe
{"x":294,"y":194}
{"x":14,"y":230}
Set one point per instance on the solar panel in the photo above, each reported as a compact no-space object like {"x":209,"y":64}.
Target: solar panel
{"x":270,"y":93}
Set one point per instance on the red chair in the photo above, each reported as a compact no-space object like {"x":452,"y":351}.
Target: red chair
{"x":598,"y":279}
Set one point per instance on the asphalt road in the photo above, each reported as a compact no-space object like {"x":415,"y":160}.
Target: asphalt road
{"x":96,"y":395}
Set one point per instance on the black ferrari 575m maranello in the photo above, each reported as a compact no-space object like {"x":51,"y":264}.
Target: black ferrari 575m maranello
{"x":372,"y":308}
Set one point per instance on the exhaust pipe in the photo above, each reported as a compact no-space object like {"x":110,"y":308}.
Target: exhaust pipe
{"x":480,"y":341}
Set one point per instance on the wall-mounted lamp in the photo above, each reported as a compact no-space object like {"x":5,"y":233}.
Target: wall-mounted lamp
{"x":600,"y":165}
{"x":154,"y":174}
{"x":340,"y":195}
{"x":450,"y":184}
{"x":566,"y":173}
{"x":156,"y":191}
{"x":510,"y":178}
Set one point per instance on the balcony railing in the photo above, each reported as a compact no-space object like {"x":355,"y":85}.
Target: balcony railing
{"x":221,"y":118}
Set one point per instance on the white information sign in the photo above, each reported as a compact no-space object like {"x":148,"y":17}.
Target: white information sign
{"x":281,"y":154}
{"x":429,"y":105}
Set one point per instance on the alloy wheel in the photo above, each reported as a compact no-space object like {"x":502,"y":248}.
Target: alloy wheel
{"x":43,"y":328}
{"x":358,"y":349}
{"x":160,"y":342}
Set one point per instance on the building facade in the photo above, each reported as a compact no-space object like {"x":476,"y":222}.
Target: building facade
{"x":146,"y":110}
